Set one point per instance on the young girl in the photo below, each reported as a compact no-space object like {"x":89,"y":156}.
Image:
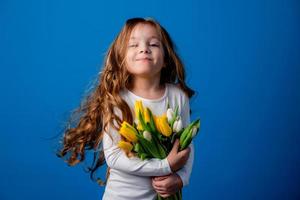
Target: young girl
{"x":141,"y":64}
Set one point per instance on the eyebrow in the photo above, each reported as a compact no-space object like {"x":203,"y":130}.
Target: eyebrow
{"x":152,"y":37}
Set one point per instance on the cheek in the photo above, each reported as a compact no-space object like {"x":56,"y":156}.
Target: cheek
{"x":161,"y":58}
{"x":160,"y":55}
{"x":129,"y":56}
{"x":128,"y":60}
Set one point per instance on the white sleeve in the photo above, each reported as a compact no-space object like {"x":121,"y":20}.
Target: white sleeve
{"x":117,"y":159}
{"x":186,"y":170}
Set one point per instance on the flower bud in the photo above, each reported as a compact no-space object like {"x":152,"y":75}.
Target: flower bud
{"x":194,"y":131}
{"x":147,"y":115}
{"x":177,"y":126}
{"x":128,"y":131}
{"x":147,"y":135}
{"x":170,"y":114}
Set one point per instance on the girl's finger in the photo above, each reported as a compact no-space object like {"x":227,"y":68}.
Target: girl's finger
{"x":159,"y":189}
{"x":157,"y":184}
{"x":164,"y":195}
{"x":175,"y":147}
{"x":185,"y":151}
{"x":159,"y":178}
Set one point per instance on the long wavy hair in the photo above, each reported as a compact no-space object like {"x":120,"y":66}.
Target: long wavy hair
{"x":87,"y":124}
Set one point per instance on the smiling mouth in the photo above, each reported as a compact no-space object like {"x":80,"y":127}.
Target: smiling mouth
{"x":144,"y":59}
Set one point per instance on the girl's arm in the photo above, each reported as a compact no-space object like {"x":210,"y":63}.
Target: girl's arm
{"x":186,"y":170}
{"x":117,"y":159}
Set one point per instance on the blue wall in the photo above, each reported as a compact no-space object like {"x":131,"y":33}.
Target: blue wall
{"x":241,"y":56}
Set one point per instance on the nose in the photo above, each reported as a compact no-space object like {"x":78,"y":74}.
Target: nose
{"x":144,"y":49}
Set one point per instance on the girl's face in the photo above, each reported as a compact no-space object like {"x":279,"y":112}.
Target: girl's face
{"x":145,"y":55}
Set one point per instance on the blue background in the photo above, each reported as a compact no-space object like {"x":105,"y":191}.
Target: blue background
{"x":242,"y":57}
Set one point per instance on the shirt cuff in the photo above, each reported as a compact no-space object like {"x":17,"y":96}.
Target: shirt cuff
{"x":182,"y":175}
{"x":166,"y":166}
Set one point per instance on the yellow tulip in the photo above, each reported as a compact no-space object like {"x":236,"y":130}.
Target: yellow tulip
{"x":147,"y":115}
{"x":157,"y":124}
{"x":139,"y":127}
{"x":128,"y":131}
{"x":166,"y":129}
{"x":162,"y":125}
{"x":138,"y":107}
{"x":126,"y":146}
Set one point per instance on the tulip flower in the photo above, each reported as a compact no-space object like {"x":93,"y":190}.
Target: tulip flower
{"x":147,"y":115}
{"x":188,"y":134}
{"x":177,"y":126}
{"x":173,"y":115}
{"x":147,"y":135}
{"x":194,"y":131}
{"x":170,"y":114}
{"x":126,"y":146}
{"x":128,"y":131}
{"x":139,"y":126}
{"x":143,"y":116}
{"x":162,"y":125}
{"x":138,"y":107}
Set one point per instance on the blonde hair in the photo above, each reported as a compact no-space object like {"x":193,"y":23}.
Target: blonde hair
{"x":96,"y":112}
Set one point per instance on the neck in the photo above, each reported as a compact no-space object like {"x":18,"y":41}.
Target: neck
{"x":147,"y":88}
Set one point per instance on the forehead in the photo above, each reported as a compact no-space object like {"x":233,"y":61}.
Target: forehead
{"x":141,"y":31}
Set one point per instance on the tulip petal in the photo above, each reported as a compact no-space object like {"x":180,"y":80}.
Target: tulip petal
{"x":126,"y":146}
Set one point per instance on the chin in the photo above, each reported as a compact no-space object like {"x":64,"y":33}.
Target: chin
{"x":143,"y":69}
{"x":143,"y":73}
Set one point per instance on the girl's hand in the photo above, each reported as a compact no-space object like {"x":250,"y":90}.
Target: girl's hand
{"x":177,"y":159}
{"x":168,"y":185}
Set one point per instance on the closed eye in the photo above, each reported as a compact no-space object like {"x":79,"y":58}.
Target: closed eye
{"x":154,"y":45}
{"x":133,"y":45}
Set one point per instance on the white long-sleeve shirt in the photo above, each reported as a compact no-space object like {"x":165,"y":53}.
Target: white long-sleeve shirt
{"x":130,"y":178}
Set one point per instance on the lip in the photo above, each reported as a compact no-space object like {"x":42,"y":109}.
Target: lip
{"x":146,"y":58}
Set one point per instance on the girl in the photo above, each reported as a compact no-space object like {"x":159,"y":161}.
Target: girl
{"x":141,"y":64}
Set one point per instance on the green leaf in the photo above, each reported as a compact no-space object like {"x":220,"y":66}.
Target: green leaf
{"x":185,"y":133}
{"x":174,"y":116}
{"x":149,"y":147}
{"x":143,"y":156}
{"x":187,"y":141}
{"x":159,"y":146}
{"x":142,"y":121}
{"x":152,"y":123}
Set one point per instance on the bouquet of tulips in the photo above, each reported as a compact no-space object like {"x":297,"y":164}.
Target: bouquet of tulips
{"x":153,"y":136}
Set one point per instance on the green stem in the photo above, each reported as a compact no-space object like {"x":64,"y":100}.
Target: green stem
{"x":180,"y":194}
{"x":159,"y":197}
